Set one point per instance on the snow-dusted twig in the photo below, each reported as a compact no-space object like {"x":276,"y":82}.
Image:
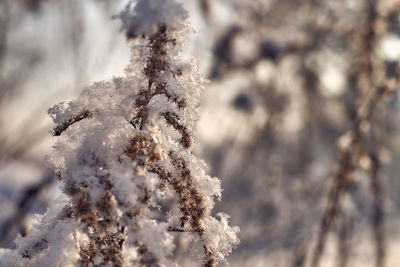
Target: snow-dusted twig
{"x":124,"y":146}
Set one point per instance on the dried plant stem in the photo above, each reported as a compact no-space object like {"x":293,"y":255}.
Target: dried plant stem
{"x":363,"y":143}
{"x":341,"y":183}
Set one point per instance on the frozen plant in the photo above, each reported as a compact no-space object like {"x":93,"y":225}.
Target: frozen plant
{"x":123,"y":148}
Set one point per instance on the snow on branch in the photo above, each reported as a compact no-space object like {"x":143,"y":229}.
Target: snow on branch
{"x":144,"y":17}
{"x":123,"y":147}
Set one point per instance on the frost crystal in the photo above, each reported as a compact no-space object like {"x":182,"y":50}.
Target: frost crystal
{"x":144,"y":17}
{"x":124,"y":147}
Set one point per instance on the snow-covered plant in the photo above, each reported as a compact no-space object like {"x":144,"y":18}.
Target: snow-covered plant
{"x":124,"y":148}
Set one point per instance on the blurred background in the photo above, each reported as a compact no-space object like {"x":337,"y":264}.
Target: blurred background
{"x":300,"y":121}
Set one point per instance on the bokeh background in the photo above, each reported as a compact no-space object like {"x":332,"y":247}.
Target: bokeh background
{"x":296,"y":86}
